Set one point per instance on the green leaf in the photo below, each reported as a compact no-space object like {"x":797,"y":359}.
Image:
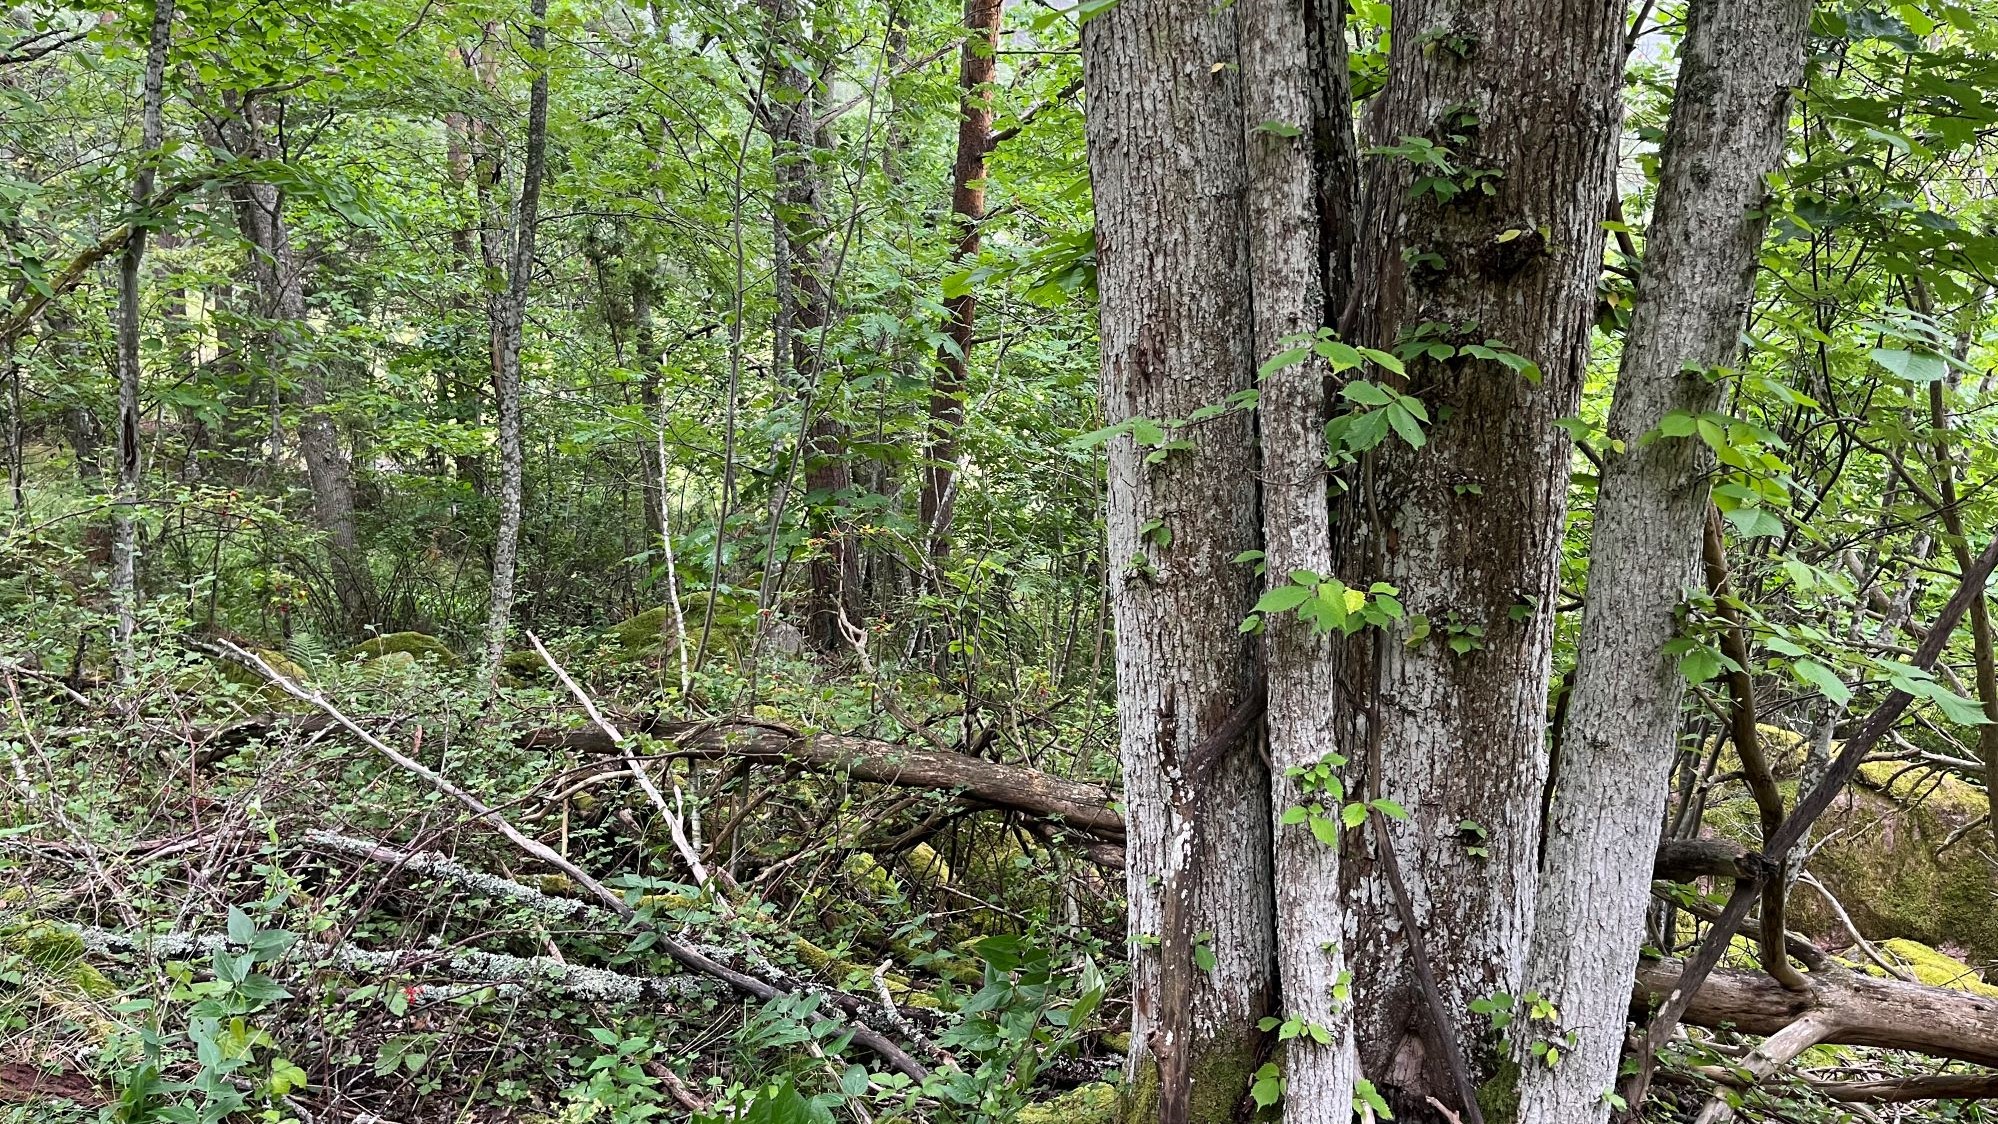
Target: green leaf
{"x":1823,"y":678}
{"x":1700,"y":664}
{"x":1282,"y":599}
{"x":1353,"y":815}
{"x":1754,"y":522}
{"x":1280,"y":129}
{"x":1911,"y":366}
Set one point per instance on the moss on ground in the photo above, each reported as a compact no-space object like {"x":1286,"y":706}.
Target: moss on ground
{"x":419,"y":646}
{"x":1094,"y":1103}
{"x":1937,"y":969}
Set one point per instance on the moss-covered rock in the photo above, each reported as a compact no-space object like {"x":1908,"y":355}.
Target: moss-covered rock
{"x":653,"y":633}
{"x":53,"y":956}
{"x":1881,"y":851}
{"x":1937,"y":969}
{"x":1094,"y":1103}
{"x":250,"y":677}
{"x":420,"y":646}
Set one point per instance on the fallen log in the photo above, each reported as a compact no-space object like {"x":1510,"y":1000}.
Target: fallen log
{"x":1087,"y":809}
{"x":1850,"y":1009}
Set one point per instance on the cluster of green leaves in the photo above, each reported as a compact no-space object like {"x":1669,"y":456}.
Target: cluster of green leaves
{"x":1325,"y":809}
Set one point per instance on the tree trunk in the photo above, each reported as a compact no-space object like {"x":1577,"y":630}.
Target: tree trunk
{"x":506,"y":350}
{"x":124,"y":522}
{"x":1504,"y":244}
{"x":1302,"y":171}
{"x":1738,"y":62}
{"x":1165,"y":139}
{"x":461,"y":402}
{"x":650,"y":358}
{"x":804,"y":306}
{"x":967,"y":205}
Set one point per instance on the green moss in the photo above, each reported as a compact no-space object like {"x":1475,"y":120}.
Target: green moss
{"x":1498,"y":1097}
{"x":251,"y":677}
{"x":1937,"y":969}
{"x":651,"y":633}
{"x":1094,"y":1103}
{"x":1882,"y":856}
{"x":1222,"y":1072}
{"x":417,"y":645}
{"x":56,"y":952}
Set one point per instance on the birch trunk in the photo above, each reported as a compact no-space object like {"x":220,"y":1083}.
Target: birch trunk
{"x":124,"y":524}
{"x":1165,"y":138}
{"x":1302,"y":171}
{"x":1469,"y":527}
{"x":507,"y":333}
{"x":1738,"y":62}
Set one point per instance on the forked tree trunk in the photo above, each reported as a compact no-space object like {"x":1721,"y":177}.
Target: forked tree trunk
{"x":967,"y":205}
{"x":124,"y":520}
{"x":1302,"y":174}
{"x":1165,"y":137}
{"x":506,"y":350}
{"x":1738,"y":62}
{"x":1506,"y":245}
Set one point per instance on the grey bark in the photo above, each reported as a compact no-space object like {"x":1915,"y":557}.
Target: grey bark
{"x":124,"y":525}
{"x":1739,"y":60}
{"x":1469,"y":527}
{"x":511,"y":319}
{"x":1166,"y":157}
{"x":1302,"y":171}
{"x":804,"y":305}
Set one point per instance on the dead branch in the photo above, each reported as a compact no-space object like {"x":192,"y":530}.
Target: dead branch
{"x":1855,"y":1009}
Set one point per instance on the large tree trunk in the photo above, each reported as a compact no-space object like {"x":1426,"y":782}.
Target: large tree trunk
{"x":506,"y":349}
{"x":1469,"y":527}
{"x":1166,"y":156}
{"x":1738,"y":62}
{"x":1302,"y":172}
{"x":124,"y":522}
{"x":967,"y":205}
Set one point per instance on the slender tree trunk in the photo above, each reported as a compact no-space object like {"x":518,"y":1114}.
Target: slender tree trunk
{"x":650,"y":357}
{"x":967,"y":204}
{"x":506,"y":359}
{"x":460,"y":400}
{"x":1738,"y":62}
{"x":804,"y":306}
{"x":1469,"y":527}
{"x":124,"y":521}
{"x":1165,"y":137}
{"x":1302,"y":174}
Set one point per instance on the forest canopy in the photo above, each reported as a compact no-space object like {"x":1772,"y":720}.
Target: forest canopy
{"x":877,"y":560}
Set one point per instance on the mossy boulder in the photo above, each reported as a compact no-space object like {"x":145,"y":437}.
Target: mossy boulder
{"x":1094,"y":1103}
{"x":652,"y":633}
{"x":1892,"y":850}
{"x":419,"y":646}
{"x":250,"y":677}
{"x":1937,"y":969}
